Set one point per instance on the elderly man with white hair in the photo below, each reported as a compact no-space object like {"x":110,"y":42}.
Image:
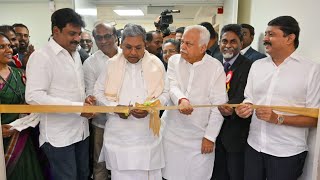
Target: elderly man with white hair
{"x":194,"y":78}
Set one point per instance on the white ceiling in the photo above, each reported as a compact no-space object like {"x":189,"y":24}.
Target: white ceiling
{"x":190,"y":10}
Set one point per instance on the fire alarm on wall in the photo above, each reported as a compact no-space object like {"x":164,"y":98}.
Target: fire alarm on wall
{"x":220,"y":10}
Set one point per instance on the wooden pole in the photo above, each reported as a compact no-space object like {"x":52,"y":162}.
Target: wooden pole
{"x":2,"y":163}
{"x":316,"y":160}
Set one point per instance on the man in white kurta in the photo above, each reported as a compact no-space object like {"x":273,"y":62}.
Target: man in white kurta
{"x":130,"y":149}
{"x":105,"y":37}
{"x":189,"y":136}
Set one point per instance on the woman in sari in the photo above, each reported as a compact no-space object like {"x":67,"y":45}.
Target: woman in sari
{"x":20,"y":157}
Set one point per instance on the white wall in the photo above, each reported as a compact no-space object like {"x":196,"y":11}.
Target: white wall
{"x":36,"y":16}
{"x":244,"y":11}
{"x":305,"y":12}
{"x":230,"y":14}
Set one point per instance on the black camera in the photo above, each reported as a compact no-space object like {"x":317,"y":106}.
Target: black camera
{"x":166,"y":19}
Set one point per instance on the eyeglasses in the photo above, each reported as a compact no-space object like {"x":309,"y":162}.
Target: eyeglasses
{"x":101,"y":37}
{"x":169,"y":51}
{"x":87,"y":41}
{"x":20,"y":35}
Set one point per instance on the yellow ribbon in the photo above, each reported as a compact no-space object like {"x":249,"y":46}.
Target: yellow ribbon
{"x":155,"y":122}
{"x":153,"y":109}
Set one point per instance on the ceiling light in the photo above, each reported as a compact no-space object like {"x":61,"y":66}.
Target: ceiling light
{"x":87,"y":12}
{"x":136,"y":12}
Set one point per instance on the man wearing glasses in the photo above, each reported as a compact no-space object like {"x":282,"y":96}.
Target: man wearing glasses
{"x":105,"y":37}
{"x":25,"y":48}
{"x":86,"y":42}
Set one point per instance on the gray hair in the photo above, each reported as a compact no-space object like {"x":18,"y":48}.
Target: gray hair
{"x":105,"y":25}
{"x":133,"y":30}
{"x":204,"y":33}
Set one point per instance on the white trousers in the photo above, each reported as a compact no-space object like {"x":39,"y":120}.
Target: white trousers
{"x":136,"y":175}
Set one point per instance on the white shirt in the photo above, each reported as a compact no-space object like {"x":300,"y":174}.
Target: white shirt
{"x":202,"y":83}
{"x":243,"y":51}
{"x":56,"y":78}
{"x":129,"y":144}
{"x":295,"y":82}
{"x":231,"y":61}
{"x":92,"y":67}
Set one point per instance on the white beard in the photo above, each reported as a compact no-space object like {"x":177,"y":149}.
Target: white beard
{"x":227,"y":55}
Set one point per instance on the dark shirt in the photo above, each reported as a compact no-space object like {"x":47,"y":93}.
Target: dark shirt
{"x":214,"y":51}
{"x":83,"y":54}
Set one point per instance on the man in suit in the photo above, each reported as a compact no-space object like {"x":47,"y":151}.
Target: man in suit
{"x":213,"y":46}
{"x":247,"y":50}
{"x":230,"y":144}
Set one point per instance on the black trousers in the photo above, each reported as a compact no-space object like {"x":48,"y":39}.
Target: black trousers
{"x":227,"y":165}
{"x":261,"y":166}
{"x":70,"y":162}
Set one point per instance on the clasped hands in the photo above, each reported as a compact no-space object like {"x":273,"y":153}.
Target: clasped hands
{"x":137,"y":113}
{"x":263,"y":113}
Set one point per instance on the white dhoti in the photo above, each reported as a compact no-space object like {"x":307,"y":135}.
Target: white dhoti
{"x":136,"y":175}
{"x":185,"y":163}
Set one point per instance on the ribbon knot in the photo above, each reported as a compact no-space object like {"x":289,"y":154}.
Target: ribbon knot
{"x":154,"y":123}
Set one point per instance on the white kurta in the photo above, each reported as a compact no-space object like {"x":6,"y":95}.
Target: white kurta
{"x":202,"y":83}
{"x":92,"y":68}
{"x":129,"y":144}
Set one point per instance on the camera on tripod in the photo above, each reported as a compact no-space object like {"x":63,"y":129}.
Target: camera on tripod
{"x":165,"y":19}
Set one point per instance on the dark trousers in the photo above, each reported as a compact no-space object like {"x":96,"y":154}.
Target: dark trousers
{"x":70,"y":162}
{"x":227,"y":165}
{"x":261,"y":166}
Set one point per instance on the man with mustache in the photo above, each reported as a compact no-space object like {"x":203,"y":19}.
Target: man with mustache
{"x":247,"y":50}
{"x":277,"y":141}
{"x":154,"y":42}
{"x":194,"y":78}
{"x":9,"y":31}
{"x":55,"y":77}
{"x":232,"y":138}
{"x":106,"y":38}
{"x":25,"y":48}
{"x":86,"y":42}
{"x":130,"y":149}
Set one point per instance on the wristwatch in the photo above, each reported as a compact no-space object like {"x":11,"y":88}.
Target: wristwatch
{"x":280,"y":119}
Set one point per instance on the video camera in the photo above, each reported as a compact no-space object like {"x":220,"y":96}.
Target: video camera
{"x":165,"y":20}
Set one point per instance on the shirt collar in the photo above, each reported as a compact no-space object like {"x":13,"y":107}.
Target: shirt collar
{"x":231,"y":61}
{"x":243,"y":51}
{"x":204,"y":58}
{"x":296,"y":56}
{"x":293,"y":56}
{"x":57,"y":48}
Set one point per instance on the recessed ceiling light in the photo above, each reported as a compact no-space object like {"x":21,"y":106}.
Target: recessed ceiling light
{"x":136,"y":12}
{"x":87,"y":12}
